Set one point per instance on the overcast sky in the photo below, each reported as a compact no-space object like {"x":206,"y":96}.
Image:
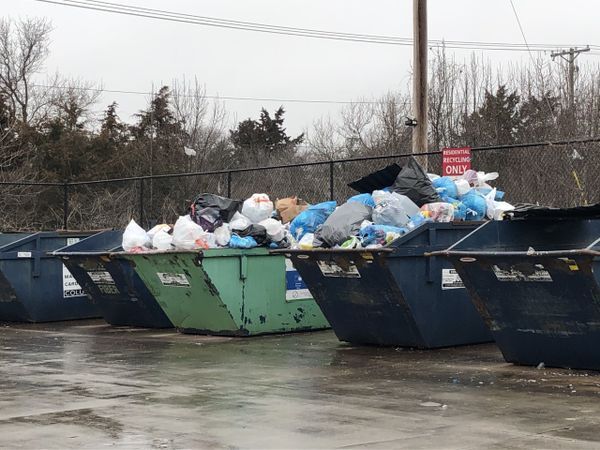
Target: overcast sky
{"x":129,"y":53}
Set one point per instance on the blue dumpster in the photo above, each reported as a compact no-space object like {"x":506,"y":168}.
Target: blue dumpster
{"x":35,"y":286}
{"x":113,"y":285}
{"x":395,"y":296}
{"x":537,"y":285}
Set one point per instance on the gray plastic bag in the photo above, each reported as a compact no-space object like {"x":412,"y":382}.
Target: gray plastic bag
{"x":343,"y":223}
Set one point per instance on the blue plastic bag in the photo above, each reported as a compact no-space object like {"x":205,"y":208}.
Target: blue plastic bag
{"x":460,"y":210}
{"x":376,"y":234}
{"x":475,"y":204}
{"x":365,"y":199}
{"x":485,"y":191}
{"x":309,"y":219}
{"x":242,"y":242}
{"x":445,"y":187}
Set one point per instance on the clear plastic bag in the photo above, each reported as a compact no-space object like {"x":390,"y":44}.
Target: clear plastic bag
{"x":393,"y":209}
{"x":439,"y":211}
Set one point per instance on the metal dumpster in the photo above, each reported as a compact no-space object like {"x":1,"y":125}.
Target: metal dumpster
{"x":228,"y":292}
{"x":113,"y":285}
{"x":395,"y":295}
{"x":35,"y":286}
{"x":537,"y":284}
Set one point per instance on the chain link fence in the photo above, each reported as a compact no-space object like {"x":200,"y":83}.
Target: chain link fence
{"x":558,"y":174}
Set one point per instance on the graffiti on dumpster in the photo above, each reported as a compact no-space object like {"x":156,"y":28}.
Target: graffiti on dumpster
{"x":539,"y":274}
{"x":295,"y":289}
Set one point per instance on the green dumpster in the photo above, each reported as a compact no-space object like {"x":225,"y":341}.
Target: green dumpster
{"x":228,"y":292}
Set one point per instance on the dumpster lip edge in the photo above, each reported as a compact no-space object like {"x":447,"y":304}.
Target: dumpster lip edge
{"x":558,"y":253}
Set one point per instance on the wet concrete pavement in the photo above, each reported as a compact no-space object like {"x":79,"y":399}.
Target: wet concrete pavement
{"x":87,"y":385}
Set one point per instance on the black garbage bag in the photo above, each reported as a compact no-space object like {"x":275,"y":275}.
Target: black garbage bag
{"x":377,"y":180}
{"x":343,"y":223}
{"x":413,"y":182}
{"x":530,"y":211}
{"x":226,"y":206}
{"x":258,"y":232}
{"x":208,"y":218}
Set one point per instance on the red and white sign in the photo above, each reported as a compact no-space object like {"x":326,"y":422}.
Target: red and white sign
{"x":455,"y":161}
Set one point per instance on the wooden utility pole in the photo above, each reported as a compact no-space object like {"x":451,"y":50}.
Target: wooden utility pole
{"x":419,"y":138}
{"x":570,"y":56}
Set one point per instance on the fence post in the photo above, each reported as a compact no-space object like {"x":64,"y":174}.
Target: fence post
{"x":141,"y":202}
{"x":229,"y":184}
{"x":331,"y":193}
{"x":65,"y":205}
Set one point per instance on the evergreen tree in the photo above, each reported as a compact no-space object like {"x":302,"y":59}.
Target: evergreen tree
{"x":497,"y":121}
{"x":260,"y":141}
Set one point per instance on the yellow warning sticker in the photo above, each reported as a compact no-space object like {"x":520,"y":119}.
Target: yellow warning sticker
{"x":366,"y":255}
{"x":571,"y":263}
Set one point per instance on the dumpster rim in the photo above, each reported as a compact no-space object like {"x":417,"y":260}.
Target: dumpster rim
{"x":581,"y":251}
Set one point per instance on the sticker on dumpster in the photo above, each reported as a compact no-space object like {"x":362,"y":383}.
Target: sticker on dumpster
{"x":571,"y":263}
{"x":451,"y":280}
{"x":295,"y":289}
{"x":71,"y":288}
{"x":23,"y":254}
{"x":173,"y":279}
{"x":331,"y":269}
{"x":540,"y":274}
{"x":104,"y":281}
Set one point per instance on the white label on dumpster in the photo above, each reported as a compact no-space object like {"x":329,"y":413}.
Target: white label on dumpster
{"x":295,"y":289}
{"x":71,"y":241}
{"x":23,"y":254}
{"x":101,"y":277}
{"x":331,"y":269}
{"x":71,"y":288}
{"x":173,"y":279}
{"x":540,"y":274}
{"x":451,"y":280}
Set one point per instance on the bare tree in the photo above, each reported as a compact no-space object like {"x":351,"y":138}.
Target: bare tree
{"x":203,"y":124}
{"x":24,"y":47}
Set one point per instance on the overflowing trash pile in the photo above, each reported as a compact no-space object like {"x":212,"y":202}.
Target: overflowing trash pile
{"x":367,"y":220}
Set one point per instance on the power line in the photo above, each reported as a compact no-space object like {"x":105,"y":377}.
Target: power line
{"x":158,"y":14}
{"x":227,"y":97}
{"x":212,"y":97}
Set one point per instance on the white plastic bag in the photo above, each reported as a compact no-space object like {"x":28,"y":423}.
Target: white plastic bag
{"x":135,"y":238}
{"x":462,"y":186}
{"x":223,"y":235}
{"x":187,"y":235}
{"x":162,"y":227}
{"x":479,"y":179}
{"x":239,"y":222}
{"x":258,"y":208}
{"x":274,"y":228}
{"x":162,"y":240}
{"x":495,"y":210}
